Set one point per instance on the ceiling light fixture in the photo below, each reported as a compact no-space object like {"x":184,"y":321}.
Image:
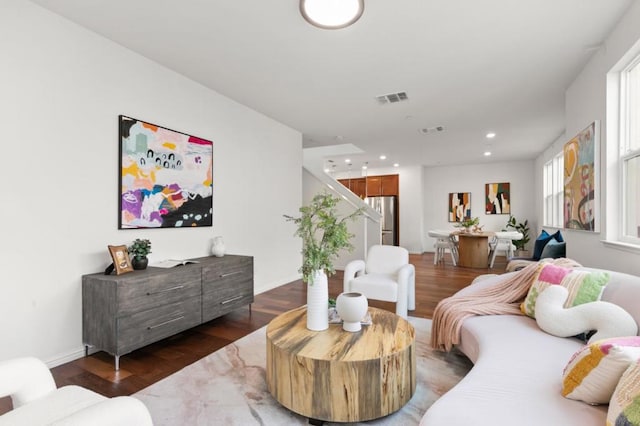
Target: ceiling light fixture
{"x":347,"y":160}
{"x":331,"y":14}
{"x":491,"y":135}
{"x":396,"y":165}
{"x":383,"y":157}
{"x":487,"y":153}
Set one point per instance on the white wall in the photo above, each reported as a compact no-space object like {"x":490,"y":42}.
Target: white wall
{"x":62,"y":91}
{"x":440,"y":181}
{"x":585,"y":102}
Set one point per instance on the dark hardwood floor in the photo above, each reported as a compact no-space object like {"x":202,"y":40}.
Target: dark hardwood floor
{"x":148,"y":365}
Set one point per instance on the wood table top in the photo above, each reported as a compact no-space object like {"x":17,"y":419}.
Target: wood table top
{"x":387,"y":334}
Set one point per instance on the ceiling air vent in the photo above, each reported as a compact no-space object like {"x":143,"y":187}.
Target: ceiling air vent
{"x":435,"y":129}
{"x":392,"y":98}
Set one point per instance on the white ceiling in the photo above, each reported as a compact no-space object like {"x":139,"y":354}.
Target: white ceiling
{"x":469,"y":66}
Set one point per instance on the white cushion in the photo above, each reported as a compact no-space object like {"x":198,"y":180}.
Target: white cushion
{"x":376,"y":286}
{"x":386,"y":259}
{"x":56,"y":405}
{"x":516,"y":379}
{"x":608,"y":319}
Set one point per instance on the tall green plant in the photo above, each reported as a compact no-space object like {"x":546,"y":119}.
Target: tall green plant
{"x":523,"y":228}
{"x":323,"y":234}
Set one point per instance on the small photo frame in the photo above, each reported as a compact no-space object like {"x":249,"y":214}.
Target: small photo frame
{"x":121,"y":261}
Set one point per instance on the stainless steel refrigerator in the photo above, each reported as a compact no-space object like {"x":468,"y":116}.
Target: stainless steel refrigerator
{"x":387,"y":206}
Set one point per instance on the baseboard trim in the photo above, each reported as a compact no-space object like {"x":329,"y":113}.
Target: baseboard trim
{"x":63,"y":359}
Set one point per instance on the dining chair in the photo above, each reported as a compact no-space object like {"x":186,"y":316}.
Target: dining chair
{"x":444,"y":241}
{"x":503,"y":241}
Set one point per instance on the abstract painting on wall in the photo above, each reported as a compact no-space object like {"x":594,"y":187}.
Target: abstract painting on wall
{"x":497,"y":198}
{"x":580,"y":181}
{"x":459,"y":206}
{"x":166,"y":177}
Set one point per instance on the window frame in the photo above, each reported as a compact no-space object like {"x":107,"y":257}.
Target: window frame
{"x":553,"y":191}
{"x":625,"y":152}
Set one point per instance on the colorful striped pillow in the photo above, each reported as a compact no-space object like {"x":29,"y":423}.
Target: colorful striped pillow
{"x":594,"y":371}
{"x":624,"y":407}
{"x":583,"y":286}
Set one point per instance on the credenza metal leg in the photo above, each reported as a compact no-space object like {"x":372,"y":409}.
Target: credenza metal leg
{"x":117,"y":362}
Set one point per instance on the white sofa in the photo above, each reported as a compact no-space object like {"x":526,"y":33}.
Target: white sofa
{"x":37,"y":401}
{"x":517,"y":374}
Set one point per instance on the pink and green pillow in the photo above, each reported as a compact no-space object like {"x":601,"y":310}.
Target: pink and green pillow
{"x":583,"y":286}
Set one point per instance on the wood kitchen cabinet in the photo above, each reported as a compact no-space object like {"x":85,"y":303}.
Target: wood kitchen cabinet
{"x":382,"y":185}
{"x":358,"y":186}
{"x":373,"y":186}
{"x":389,"y":185}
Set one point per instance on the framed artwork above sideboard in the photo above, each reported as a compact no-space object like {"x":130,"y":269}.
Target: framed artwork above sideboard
{"x":165,"y":177}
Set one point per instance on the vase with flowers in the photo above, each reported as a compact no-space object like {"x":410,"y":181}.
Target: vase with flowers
{"x":469,"y":225}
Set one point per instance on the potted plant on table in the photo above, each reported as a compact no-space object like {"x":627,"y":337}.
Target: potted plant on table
{"x":138,"y":251}
{"x":523,"y":228}
{"x":468,"y":224}
{"x":324,"y":234}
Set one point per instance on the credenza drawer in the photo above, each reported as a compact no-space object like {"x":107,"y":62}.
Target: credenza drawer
{"x":226,"y":300}
{"x":226,"y":273}
{"x":154,"y":290}
{"x":145,"y":327}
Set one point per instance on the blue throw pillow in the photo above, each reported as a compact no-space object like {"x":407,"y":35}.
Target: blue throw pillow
{"x":558,"y":237}
{"x":554,"y":249}
{"x":541,"y":241}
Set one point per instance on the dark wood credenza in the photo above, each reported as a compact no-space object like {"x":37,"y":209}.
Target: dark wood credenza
{"x":122,"y":313}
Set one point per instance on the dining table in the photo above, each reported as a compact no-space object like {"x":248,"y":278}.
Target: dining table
{"x":473,"y":248}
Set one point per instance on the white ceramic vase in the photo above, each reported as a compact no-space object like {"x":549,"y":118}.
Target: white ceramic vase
{"x":218,"y":248}
{"x":351,"y":308}
{"x":318,"y":301}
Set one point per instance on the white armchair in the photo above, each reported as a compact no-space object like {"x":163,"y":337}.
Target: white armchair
{"x":387,"y":275}
{"x":37,"y":401}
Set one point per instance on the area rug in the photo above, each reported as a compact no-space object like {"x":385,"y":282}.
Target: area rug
{"x":228,"y":387}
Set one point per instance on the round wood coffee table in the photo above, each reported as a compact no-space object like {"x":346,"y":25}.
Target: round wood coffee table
{"x":335,"y":375}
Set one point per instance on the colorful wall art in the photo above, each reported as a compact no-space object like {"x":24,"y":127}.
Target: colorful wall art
{"x":459,"y":206}
{"x":580,"y":156}
{"x":166,"y":177}
{"x":497,"y":198}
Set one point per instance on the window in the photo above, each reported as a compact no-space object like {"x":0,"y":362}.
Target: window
{"x":630,"y":151}
{"x":553,"y":191}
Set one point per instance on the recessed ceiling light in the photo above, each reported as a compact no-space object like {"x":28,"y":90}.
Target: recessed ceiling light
{"x":487,"y":153}
{"x":364,"y":167}
{"x":383,"y":157}
{"x":491,"y":135}
{"x":326,"y":170}
{"x":396,"y":165}
{"x":347,"y":160}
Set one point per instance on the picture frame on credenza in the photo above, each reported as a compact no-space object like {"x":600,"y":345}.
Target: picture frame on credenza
{"x":121,"y":260}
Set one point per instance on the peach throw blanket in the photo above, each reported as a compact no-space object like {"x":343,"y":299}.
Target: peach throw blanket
{"x":502,"y":298}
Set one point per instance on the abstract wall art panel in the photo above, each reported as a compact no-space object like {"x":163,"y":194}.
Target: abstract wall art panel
{"x":580,"y":181}
{"x":459,"y":206}
{"x":497,"y":198}
{"x":166,"y":177}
